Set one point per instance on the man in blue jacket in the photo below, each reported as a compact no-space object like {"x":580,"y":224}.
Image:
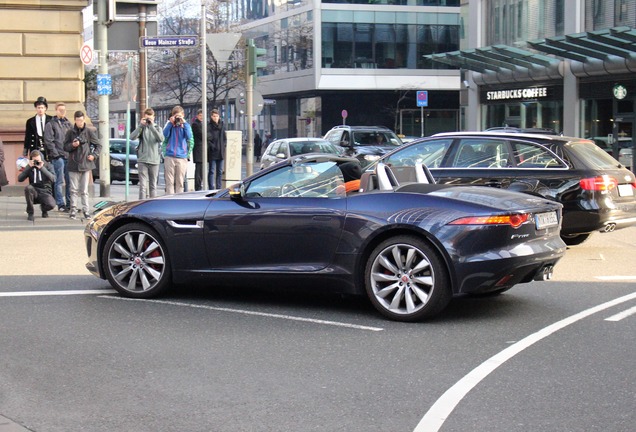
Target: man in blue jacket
{"x":177,"y":148}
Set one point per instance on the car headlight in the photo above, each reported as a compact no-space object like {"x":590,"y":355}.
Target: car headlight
{"x":371,"y":158}
{"x":115,"y":162}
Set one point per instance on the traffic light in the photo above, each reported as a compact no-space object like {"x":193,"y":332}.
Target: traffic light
{"x":253,"y":54}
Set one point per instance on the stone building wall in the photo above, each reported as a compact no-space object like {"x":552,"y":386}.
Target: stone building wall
{"x":40,"y":41}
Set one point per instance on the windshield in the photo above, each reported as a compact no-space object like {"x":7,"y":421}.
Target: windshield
{"x":375,"y":138}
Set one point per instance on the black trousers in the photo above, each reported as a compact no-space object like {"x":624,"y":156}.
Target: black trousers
{"x":198,"y":176}
{"x":35,"y":195}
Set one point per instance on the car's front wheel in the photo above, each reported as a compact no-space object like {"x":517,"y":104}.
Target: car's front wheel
{"x":135,"y":261}
{"x":406,"y":279}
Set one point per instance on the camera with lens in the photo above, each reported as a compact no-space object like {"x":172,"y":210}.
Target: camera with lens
{"x":80,"y":139}
{"x":37,"y":164}
{"x":178,"y":121}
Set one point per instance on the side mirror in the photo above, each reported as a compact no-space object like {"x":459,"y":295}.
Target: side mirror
{"x":237,"y":191}
{"x":281,"y":156}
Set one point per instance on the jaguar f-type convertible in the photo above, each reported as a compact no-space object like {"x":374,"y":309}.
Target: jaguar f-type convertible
{"x":410,"y":248}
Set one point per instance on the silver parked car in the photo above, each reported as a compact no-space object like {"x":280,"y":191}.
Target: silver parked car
{"x":282,"y":149}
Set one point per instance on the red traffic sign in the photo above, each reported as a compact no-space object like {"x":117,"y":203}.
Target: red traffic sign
{"x":86,"y":54}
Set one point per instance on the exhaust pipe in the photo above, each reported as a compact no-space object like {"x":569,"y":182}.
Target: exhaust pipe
{"x":609,"y":227}
{"x":545,"y":274}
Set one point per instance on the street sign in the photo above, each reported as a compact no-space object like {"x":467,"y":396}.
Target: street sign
{"x":104,"y":84}
{"x":222,"y":45}
{"x":86,"y":54}
{"x":422,"y":98}
{"x":169,"y":42}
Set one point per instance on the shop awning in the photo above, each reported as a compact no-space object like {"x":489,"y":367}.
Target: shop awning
{"x":598,"y":44}
{"x":494,"y":58}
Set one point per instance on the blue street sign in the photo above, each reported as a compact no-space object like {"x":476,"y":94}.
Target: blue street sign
{"x":422,"y":98}
{"x":169,"y":42}
{"x":104,"y":85}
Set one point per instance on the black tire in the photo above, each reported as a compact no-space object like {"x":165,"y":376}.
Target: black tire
{"x":136,"y":262}
{"x":575,"y":239}
{"x":412,"y":289}
{"x":134,"y":182}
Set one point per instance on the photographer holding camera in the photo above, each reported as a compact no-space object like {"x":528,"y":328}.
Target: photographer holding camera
{"x":148,"y":157}
{"x":177,"y":149}
{"x":40,"y":187}
{"x":83,"y":147}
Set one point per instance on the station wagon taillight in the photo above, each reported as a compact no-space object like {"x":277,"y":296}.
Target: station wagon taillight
{"x":601,"y":183}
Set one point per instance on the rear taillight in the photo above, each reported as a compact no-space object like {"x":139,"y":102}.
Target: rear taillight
{"x":513,"y":220}
{"x":600,"y":183}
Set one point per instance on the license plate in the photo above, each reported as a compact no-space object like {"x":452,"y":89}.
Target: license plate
{"x":546,"y":220}
{"x":625,"y":190}
{"x":134,"y":171}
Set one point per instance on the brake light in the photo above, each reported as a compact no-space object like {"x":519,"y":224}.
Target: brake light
{"x":600,"y":183}
{"x":513,"y":220}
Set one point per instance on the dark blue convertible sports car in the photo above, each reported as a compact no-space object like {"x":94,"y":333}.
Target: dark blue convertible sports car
{"x":409,"y":247}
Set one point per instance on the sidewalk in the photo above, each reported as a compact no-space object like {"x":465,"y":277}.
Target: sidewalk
{"x":13,"y":214}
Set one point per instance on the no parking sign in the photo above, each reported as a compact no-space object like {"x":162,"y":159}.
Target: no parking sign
{"x":422,"y":98}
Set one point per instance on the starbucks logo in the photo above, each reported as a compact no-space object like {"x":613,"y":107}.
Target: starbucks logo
{"x":620,"y":91}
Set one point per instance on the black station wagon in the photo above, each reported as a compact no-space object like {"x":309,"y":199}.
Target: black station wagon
{"x":596,"y":191}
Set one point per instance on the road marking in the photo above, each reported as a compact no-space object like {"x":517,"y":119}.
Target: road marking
{"x":54,"y":293}
{"x":444,"y":406}
{"x":616,"y":278}
{"x":619,"y":316}
{"x":247,"y":312}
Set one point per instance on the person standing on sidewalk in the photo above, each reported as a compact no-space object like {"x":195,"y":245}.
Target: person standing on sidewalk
{"x":148,"y":154}
{"x":40,"y":187}
{"x":83,"y":149}
{"x":216,"y":149}
{"x":197,"y":151}
{"x":3,"y":173}
{"x":178,"y":145}
{"x":54,"y":134}
{"x":34,"y":128}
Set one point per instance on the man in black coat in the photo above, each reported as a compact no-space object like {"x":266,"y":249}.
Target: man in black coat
{"x":197,"y":150}
{"x":216,"y":149}
{"x":40,"y":188}
{"x":34,"y":129}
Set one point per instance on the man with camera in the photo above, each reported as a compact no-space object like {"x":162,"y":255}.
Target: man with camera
{"x":148,"y":154}
{"x":177,"y":149}
{"x":40,"y":187}
{"x":83,"y":147}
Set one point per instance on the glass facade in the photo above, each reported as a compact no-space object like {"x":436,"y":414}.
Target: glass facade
{"x":601,"y":14}
{"x":398,"y":2}
{"x":386,"y":40}
{"x":513,"y":21}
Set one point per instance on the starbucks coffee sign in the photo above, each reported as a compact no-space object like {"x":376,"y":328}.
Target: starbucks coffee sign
{"x":517,"y":94}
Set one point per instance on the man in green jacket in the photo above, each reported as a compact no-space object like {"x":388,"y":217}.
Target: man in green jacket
{"x":148,"y":154}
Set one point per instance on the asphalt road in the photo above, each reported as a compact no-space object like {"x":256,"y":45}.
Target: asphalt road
{"x":545,"y":356}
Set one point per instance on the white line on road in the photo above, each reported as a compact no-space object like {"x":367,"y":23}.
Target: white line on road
{"x":54,"y":293}
{"x":616,"y":278}
{"x":247,"y":312}
{"x":619,"y":316}
{"x":444,"y":406}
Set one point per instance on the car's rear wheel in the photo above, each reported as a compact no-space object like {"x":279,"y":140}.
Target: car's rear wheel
{"x":406,"y":279}
{"x":136,"y":262}
{"x":574,"y":239}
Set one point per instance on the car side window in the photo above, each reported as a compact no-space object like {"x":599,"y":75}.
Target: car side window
{"x":527,"y":155}
{"x":481,"y":153}
{"x":334,"y":136}
{"x":430,"y":153}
